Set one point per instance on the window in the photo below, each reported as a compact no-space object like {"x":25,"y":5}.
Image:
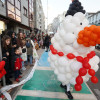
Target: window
{"x":13,"y":7}
{"x":3,"y":1}
{"x":11,"y":1}
{"x":25,"y":11}
{"x":17,"y":4}
{"x":31,"y":13}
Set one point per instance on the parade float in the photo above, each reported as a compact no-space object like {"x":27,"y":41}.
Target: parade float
{"x":72,"y":54}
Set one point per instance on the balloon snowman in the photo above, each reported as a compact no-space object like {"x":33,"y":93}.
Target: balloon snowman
{"x":72,"y":53}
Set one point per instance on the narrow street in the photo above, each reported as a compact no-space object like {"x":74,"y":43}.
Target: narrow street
{"x":45,"y":86}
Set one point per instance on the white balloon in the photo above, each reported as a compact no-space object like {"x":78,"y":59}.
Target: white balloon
{"x":56,"y":63}
{"x":48,"y":59}
{"x":61,"y":43}
{"x":75,"y":66}
{"x":68,"y":49}
{"x":62,"y":33}
{"x":68,"y":19}
{"x":61,"y":77}
{"x":52,"y":65}
{"x":62,"y":61}
{"x":73,"y":81}
{"x":69,"y":27}
{"x":96,"y":59}
{"x":85,"y":22}
{"x":76,"y":21}
{"x":79,"y":15}
{"x":68,"y":69}
{"x":69,"y":38}
{"x":53,"y":57}
{"x":96,"y":67}
{"x":82,"y":50}
{"x":76,"y":45}
{"x":57,"y":46}
{"x":92,"y":48}
{"x":85,"y":78}
{"x":68,"y":75}
{"x":77,"y":30}
{"x":53,"y":40}
{"x":56,"y":72}
{"x":57,"y":37}
{"x":61,"y":70}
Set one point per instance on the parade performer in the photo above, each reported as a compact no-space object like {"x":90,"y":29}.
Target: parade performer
{"x":72,"y":53}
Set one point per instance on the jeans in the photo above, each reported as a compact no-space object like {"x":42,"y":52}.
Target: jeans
{"x":22,"y":63}
{"x":17,"y":73}
{"x":30,"y":58}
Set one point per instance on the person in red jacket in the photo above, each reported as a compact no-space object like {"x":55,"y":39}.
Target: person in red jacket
{"x":18,"y":64}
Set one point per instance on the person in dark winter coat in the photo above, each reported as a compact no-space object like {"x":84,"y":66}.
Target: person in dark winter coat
{"x":6,"y":56}
{"x":18,"y":64}
{"x":47,"y":42}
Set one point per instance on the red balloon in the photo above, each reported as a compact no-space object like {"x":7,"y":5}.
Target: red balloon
{"x":93,"y":53}
{"x":79,"y":58}
{"x":91,"y":72}
{"x":2,"y":64}
{"x":85,"y":60}
{"x":51,"y":47}
{"x":94,"y":79}
{"x":79,"y":80}
{"x":82,"y":72}
{"x":78,"y":87}
{"x":86,"y":65}
{"x":60,"y":53}
{"x":54,"y":51}
{"x":70,"y":56}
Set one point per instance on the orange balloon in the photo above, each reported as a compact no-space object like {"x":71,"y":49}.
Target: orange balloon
{"x":86,"y":44}
{"x":93,"y":36}
{"x":80,"y":35}
{"x":87,"y":33}
{"x":92,"y":27}
{"x":86,"y":28}
{"x":98,"y":41}
{"x":92,"y":43}
{"x":79,"y":41}
{"x":86,"y":39}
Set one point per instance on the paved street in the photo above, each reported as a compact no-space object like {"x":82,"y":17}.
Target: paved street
{"x":45,"y":86}
{"x":96,"y":88}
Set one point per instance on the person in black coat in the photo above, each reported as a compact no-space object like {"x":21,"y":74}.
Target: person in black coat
{"x":47,"y":42}
{"x":6,"y":56}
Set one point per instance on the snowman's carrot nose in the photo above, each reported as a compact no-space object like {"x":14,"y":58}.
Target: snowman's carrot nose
{"x":90,"y":36}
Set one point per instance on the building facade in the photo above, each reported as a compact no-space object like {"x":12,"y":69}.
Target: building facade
{"x":94,"y":18}
{"x":17,"y":15}
{"x":39,"y":17}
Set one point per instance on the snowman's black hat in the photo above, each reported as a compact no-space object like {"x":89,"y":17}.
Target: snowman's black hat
{"x":75,"y":7}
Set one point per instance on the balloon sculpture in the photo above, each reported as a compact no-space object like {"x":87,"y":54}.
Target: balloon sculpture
{"x":72,"y":56}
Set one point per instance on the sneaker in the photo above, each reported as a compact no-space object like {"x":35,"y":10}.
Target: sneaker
{"x":69,"y":95}
{"x":17,"y":80}
{"x":20,"y":76}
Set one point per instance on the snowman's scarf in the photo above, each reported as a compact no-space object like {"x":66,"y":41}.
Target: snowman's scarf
{"x":84,"y":61}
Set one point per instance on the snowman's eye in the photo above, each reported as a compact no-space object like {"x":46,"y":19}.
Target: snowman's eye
{"x":80,"y":23}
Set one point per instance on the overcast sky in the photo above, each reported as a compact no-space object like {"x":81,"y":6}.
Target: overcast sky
{"x":56,"y":7}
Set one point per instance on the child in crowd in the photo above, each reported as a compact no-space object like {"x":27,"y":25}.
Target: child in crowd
{"x":18,"y":64}
{"x":24,"y":54}
{"x":6,"y":56}
{"x":29,"y":51}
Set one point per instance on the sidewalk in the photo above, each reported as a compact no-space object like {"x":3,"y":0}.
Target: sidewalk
{"x":45,"y":86}
{"x":24,"y":75}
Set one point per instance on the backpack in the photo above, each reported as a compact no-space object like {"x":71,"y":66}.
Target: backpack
{"x":28,"y":44}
